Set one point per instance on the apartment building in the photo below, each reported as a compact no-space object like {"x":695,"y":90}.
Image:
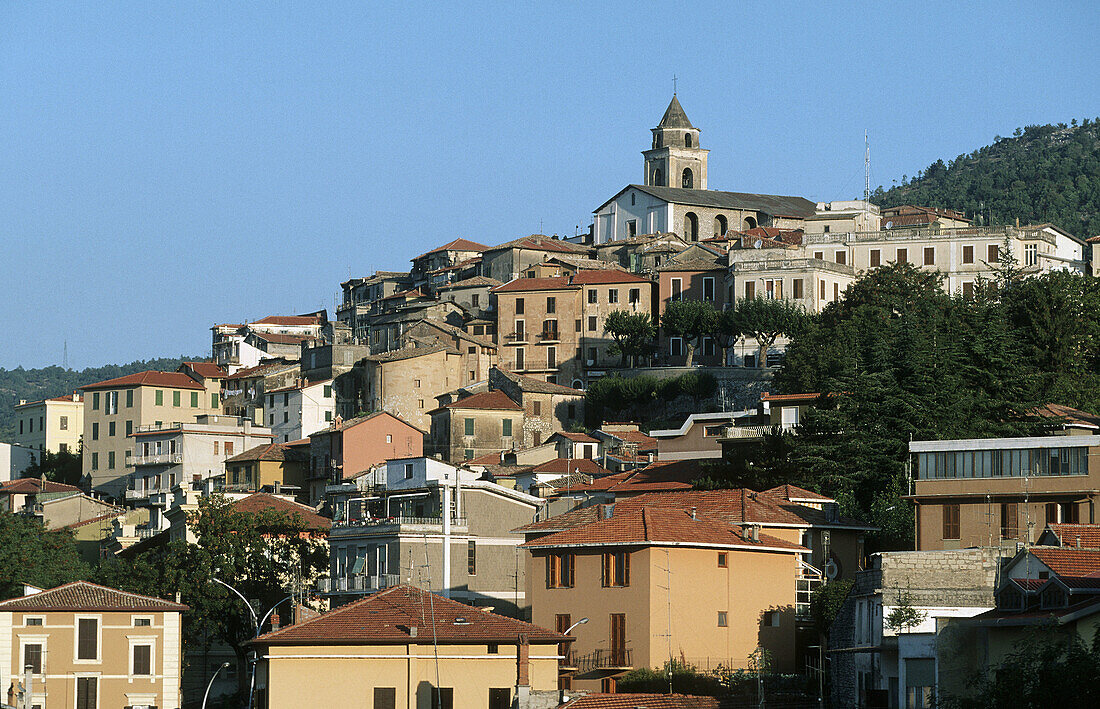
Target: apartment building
{"x":295,"y":411}
{"x":238,"y":346}
{"x":476,"y":425}
{"x":1001,"y":491}
{"x":697,"y":273}
{"x":388,"y":652}
{"x":269,"y":467}
{"x":361,"y":293}
{"x":511,"y":259}
{"x":114,"y":409}
{"x":243,"y":391}
{"x":348,"y":448}
{"x":91,"y":646}
{"x":53,"y":425}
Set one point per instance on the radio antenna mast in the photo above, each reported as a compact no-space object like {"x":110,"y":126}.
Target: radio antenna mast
{"x":866,"y":166}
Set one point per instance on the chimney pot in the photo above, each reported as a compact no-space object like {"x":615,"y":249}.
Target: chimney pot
{"x":274,"y":621}
{"x":693,"y":512}
{"x":413,"y":631}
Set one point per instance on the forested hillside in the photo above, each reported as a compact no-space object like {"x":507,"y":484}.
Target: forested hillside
{"x":1042,"y":174}
{"x":34,"y":384}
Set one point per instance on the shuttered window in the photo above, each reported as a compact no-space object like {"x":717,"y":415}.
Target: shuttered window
{"x":87,"y":644}
{"x":143,"y":659}
{"x":385,"y":698}
{"x":86,"y":692}
{"x":32,"y":657}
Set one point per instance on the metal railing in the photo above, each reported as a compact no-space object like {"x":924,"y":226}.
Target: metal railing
{"x":159,"y":426}
{"x":358,"y":583}
{"x":384,"y":521}
{"x":756,"y":431}
{"x":917,"y":234}
{"x":158,"y":459}
{"x":615,"y":658}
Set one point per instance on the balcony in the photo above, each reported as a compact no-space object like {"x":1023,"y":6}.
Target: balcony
{"x":400,"y":524}
{"x":755,"y":432}
{"x":158,"y":459}
{"x":358,"y":583}
{"x":613,"y":659}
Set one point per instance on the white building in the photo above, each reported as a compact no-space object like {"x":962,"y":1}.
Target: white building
{"x":14,"y":460}
{"x":296,"y":411}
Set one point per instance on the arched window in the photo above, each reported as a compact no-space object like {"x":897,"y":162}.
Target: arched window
{"x":687,"y":140}
{"x":691,"y":227}
{"x":658,"y":179}
{"x":687,"y":179}
{"x":578,"y":384}
{"x":720,"y":225}
{"x":749,"y":223}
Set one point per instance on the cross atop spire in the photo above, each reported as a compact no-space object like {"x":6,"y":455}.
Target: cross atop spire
{"x":673,"y":84}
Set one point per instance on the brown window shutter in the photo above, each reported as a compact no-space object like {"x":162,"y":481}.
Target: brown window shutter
{"x":87,"y":630}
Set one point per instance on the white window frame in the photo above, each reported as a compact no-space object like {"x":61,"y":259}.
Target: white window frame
{"x":98,"y":618}
{"x":708,"y":280}
{"x":149,"y":641}
{"x":25,"y":640}
{"x":39,"y":617}
{"x":135,"y":618}
{"x":98,"y":685}
{"x":676,"y":343}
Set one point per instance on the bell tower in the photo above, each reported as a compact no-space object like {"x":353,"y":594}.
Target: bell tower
{"x":675,"y":158}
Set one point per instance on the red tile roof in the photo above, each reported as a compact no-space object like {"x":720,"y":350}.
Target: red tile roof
{"x":174,"y":380}
{"x":641,"y":701}
{"x":567,"y":520}
{"x":590,"y":278}
{"x":277,"y":452}
{"x":813,"y":396}
{"x":263,"y":501}
{"x":84,"y":596}
{"x":539,"y":242}
{"x":793,"y":492}
{"x":1069,"y":533}
{"x":1069,"y":561}
{"x":33,"y":486}
{"x":644,"y":442}
{"x":456,"y":245}
{"x":577,"y":437}
{"x":207,"y":370}
{"x":565,"y":466}
{"x":657,"y":526}
{"x":100,"y":518}
{"x":487,"y":459}
{"x":389,"y":616}
{"x":289,"y":320}
{"x":487,"y":400}
{"x":79,"y":398}
{"x":281,"y":339}
{"x":520,"y":285}
{"x":1057,"y":413}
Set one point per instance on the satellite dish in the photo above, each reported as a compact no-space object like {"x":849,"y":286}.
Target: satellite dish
{"x":889,"y":224}
{"x":757,"y":244}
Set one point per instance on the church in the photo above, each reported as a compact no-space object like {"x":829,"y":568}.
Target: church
{"x":673,"y":196}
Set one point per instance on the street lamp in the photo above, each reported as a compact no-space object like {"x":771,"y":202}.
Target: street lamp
{"x":210,"y":684}
{"x":257,"y":624}
{"x":582,"y":621}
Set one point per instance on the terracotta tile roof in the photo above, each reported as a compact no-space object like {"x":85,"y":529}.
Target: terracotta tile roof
{"x":388,"y":617}
{"x":794,"y":492}
{"x":780,"y":398}
{"x":261,"y":370}
{"x":487,"y":459}
{"x":521,"y":285}
{"x":1069,"y":561}
{"x":456,"y":245}
{"x":289,"y":320}
{"x":100,"y":518}
{"x":1057,"y":413}
{"x":280,"y":339}
{"x":345,"y":424}
{"x":539,"y":242}
{"x":33,"y":486}
{"x":1068,"y":534}
{"x":740,"y":505}
{"x":590,"y":278}
{"x":654,"y":525}
{"x":644,"y":442}
{"x":261,"y":501}
{"x":537,"y":386}
{"x":79,"y":398}
{"x":207,"y":370}
{"x":641,"y":701}
{"x":408,"y":353}
{"x":472,"y":282}
{"x":304,"y":384}
{"x":668,"y":475}
{"x":566,"y":466}
{"x":84,"y":596}
{"x":174,"y":380}
{"x":576,"y":437}
{"x":1086,"y":607}
{"x":277,"y":452}
{"x":486,"y":400}
{"x":567,"y":520}
{"x":411,"y":293}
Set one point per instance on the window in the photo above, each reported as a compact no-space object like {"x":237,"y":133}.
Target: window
{"x":618,"y":639}
{"x":471,"y":558}
{"x":500,"y":698}
{"x":419,"y":403}
{"x":86,"y":692}
{"x":551,"y":304}
{"x":635,"y":295}
{"x":842,"y":257}
{"x":691,"y":227}
{"x":750,"y":289}
{"x":328,"y":416}
{"x":722,"y":620}
{"x":143,"y":660}
{"x":158,"y":398}
{"x":32,"y":657}
{"x":616,"y":569}
{"x":902,"y":256}
{"x":631,"y":226}
{"x":194,"y":400}
{"x":723,"y":560}
{"x":771,"y":619}
{"x":968,"y":289}
{"x":593,"y":354}
{"x":228,"y":447}
{"x":409,"y":466}
{"x":468,"y":454}
{"x":773,"y":288}
{"x":708,"y":288}
{"x":519,"y":306}
{"x":95,"y":401}
{"x":64,"y":424}
{"x":286,"y":417}
{"x":549,"y":329}
{"x":592,"y":323}
{"x":95,"y":461}
{"x":520,"y":330}
{"x":827,"y":229}
{"x":950,"y":521}
{"x":593,"y":296}
{"x":129,"y":398}
{"x":551,"y":357}
{"x":720,"y":225}
{"x":968,"y":254}
{"x":95,"y":431}
{"x":110,"y":428}
{"x":1009,"y":520}
{"x":559,"y":571}
{"x":87,"y":643}
{"x":876,"y":257}
{"x":506,"y":428}
{"x":929,"y":255}
{"x":687,"y":180}
{"x":993,"y":253}
{"x":1031,"y":254}
{"x":443,"y":698}
{"x":469,"y":427}
{"x":676,"y":346}
{"x":836,"y":291}
{"x":385,"y":698}
{"x":796,"y":288}
{"x":571,"y":409}
{"x":33,"y":622}
{"x":519,"y":358}
{"x":536,"y":408}
{"x":110,"y":460}
{"x":677,"y":289}
{"x":613,"y":295}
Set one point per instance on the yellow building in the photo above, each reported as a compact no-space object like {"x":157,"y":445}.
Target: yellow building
{"x":658,"y":583}
{"x":404,"y":647}
{"x":53,"y":425}
{"x":268,"y":466}
{"x":114,"y":409}
{"x":90,"y":646}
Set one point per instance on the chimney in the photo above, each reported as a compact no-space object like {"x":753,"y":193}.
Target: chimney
{"x":413,"y":631}
{"x":523,"y":658}
{"x":22,"y":401}
{"x":693,"y":512}
{"x":606,"y":511}
{"x":76,"y":397}
{"x":274,"y":622}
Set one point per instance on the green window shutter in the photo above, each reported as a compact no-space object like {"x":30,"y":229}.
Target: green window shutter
{"x":95,"y":401}
{"x":506,"y":428}
{"x":213,"y":401}
{"x":160,"y":398}
{"x":129,"y":398}
{"x":194,"y":400}
{"x":175,"y":398}
{"x":469,"y":427}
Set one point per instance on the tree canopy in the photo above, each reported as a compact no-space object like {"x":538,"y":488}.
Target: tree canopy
{"x":690,"y":319}
{"x":765,"y":319}
{"x":29,"y":553}
{"x":633,"y":333}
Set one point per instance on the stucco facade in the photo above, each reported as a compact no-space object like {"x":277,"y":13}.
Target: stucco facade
{"x":54,"y":425}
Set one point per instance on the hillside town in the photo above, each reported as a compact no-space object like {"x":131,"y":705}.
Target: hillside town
{"x":419,"y":500}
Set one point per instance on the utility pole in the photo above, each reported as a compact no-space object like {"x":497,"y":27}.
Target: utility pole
{"x":866,"y":166}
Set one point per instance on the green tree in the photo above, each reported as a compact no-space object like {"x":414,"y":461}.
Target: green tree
{"x":62,"y":467}
{"x":727,"y":332}
{"x":633,"y":333}
{"x":765,"y":319}
{"x":691,"y":320}
{"x":825,"y":603}
{"x":32,"y":554}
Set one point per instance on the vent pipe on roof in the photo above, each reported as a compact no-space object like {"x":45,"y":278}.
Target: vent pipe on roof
{"x":693,"y":512}
{"x":1078,"y":541}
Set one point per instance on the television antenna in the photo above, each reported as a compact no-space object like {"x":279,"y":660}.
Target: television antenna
{"x":866,"y":167}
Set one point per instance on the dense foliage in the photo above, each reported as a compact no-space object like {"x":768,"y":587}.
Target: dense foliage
{"x":643,"y":398}
{"x":32,"y":554}
{"x":692,"y":320}
{"x":738,"y":686}
{"x":632,"y":333}
{"x":63,"y":467}
{"x":1042,"y":174}
{"x":48,"y":382}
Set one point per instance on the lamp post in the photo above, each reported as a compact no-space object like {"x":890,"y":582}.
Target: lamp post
{"x":257,"y":624}
{"x":582,"y":621}
{"x":211,"y":683}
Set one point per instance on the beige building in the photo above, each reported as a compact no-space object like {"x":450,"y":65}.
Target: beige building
{"x":404,"y":647}
{"x":90,"y":646}
{"x":53,"y":425}
{"x":476,"y":425}
{"x":117,"y":408}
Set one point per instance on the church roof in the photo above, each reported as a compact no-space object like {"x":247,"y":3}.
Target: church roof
{"x":775,"y":205}
{"x":674,"y":116}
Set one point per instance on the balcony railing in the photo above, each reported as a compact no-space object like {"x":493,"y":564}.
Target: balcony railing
{"x":387,"y":521}
{"x":613,"y":659}
{"x":158,"y":459}
{"x":358,"y":583}
{"x":756,"y":431}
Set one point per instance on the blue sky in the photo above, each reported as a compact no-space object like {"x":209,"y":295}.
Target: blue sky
{"x":167,"y":166}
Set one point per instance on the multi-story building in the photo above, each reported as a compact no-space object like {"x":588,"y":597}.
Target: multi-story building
{"x":1002,"y":491}
{"x":388,"y":652}
{"x":243,"y":391}
{"x":90,"y":646}
{"x":53,"y":425}
{"x":350,"y":447}
{"x":437,"y":267}
{"x":295,"y":411}
{"x":512,"y":258}
{"x":433,"y":525}
{"x":473,"y":294}
{"x":116,"y":408}
{"x":173,"y":453}
{"x":270,"y":467}
{"x":15,"y":459}
{"x":237,"y":346}
{"x":476,"y":425}
{"x":697,"y":273}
